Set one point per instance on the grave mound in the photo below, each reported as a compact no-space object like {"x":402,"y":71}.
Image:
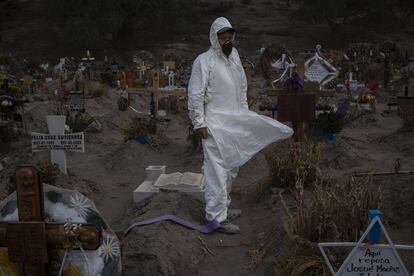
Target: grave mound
{"x":403,"y":140}
{"x":61,"y":206}
{"x":165,"y":248}
{"x":340,"y":155}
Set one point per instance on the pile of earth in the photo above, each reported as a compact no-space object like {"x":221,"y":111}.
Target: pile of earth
{"x":165,"y":248}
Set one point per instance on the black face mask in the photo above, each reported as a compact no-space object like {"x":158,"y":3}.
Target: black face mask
{"x":227,"y":48}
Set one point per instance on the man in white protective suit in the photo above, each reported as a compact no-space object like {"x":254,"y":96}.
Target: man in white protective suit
{"x":231,"y":133}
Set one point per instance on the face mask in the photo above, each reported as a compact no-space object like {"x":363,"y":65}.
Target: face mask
{"x":227,"y":48}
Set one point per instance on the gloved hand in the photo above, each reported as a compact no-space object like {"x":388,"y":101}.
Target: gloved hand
{"x":202,"y":133}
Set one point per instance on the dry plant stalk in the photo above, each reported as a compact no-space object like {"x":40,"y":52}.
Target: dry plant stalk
{"x":204,"y":247}
{"x":303,"y":265}
{"x":97,"y":89}
{"x":288,"y":160}
{"x":140,"y":126}
{"x":337,"y":212}
{"x":49,"y":172}
{"x":265,"y":245}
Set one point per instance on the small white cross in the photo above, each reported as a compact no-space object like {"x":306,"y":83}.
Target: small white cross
{"x":171,"y":76}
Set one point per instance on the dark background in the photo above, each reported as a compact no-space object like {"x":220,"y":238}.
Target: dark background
{"x":48,"y":29}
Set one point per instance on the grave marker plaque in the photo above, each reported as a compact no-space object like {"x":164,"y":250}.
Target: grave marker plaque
{"x":57,"y":141}
{"x":77,"y":101}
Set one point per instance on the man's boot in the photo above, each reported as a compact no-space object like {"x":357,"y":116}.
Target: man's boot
{"x":228,"y":228}
{"x":233,"y":214}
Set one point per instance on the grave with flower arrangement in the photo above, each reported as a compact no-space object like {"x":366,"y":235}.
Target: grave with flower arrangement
{"x":45,"y":230}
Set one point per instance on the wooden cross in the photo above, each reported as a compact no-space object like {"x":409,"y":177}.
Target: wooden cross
{"x":30,"y":241}
{"x":296,"y":108}
{"x":158,"y":92}
{"x":89,"y":61}
{"x":142,"y":69}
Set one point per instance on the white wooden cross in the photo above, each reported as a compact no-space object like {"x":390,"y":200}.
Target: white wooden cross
{"x":319,"y":70}
{"x":354,"y":84}
{"x":284,"y":64}
{"x":57,"y":141}
{"x":171,"y":76}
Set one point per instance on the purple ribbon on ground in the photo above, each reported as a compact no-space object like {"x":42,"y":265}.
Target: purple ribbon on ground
{"x":205,"y":229}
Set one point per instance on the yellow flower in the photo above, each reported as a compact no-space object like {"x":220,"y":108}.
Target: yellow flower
{"x":10,"y":269}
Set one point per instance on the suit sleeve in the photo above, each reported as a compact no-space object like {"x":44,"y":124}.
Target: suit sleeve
{"x":243,"y":92}
{"x":196,"y":93}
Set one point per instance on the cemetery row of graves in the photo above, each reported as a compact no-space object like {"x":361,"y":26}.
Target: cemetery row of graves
{"x":45,"y":229}
{"x":354,"y":75}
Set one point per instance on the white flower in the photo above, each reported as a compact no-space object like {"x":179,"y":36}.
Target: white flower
{"x":80,"y":204}
{"x":59,"y":212}
{"x":71,"y":228}
{"x":67,"y":129}
{"x":109,"y":249}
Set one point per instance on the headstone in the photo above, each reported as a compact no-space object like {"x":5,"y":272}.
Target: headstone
{"x":369,"y":259}
{"x":57,"y":141}
{"x":77,"y":101}
{"x":188,"y":182}
{"x":319,"y":70}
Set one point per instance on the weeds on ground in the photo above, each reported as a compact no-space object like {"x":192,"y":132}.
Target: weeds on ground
{"x":79,"y":122}
{"x":76,"y":121}
{"x":97,"y":89}
{"x":7,"y":132}
{"x":338,"y":211}
{"x":122,"y":103}
{"x":140,"y":126}
{"x":332,"y":209}
{"x":49,"y":172}
{"x":288,"y":160}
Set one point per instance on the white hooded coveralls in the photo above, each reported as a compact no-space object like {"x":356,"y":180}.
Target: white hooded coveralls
{"x":217,"y":99}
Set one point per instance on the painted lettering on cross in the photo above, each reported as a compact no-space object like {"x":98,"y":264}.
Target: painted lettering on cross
{"x":70,"y":142}
{"x":373,"y":261}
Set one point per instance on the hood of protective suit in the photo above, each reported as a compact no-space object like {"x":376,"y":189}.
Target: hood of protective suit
{"x":217,"y":25}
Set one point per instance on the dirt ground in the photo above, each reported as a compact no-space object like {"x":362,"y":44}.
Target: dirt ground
{"x":111,"y":168}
